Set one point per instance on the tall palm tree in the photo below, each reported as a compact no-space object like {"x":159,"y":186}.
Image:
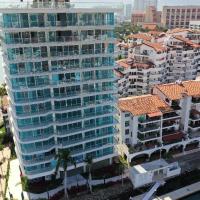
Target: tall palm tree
{"x":63,"y":160}
{"x":123,"y":164}
{"x":89,"y":162}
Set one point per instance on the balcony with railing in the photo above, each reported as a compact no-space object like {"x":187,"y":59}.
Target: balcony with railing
{"x":146,"y":119}
{"x":194,"y":115}
{"x":149,"y":136}
{"x":171,"y":115}
{"x":144,"y":146}
{"x":39,"y":159}
{"x":195,"y":100}
{"x":30,"y":149}
{"x":49,"y":169}
{"x":148,"y":128}
{"x":174,"y":137}
{"x":175,"y":105}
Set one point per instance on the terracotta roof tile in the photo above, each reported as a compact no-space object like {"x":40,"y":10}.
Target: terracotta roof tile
{"x":130,"y":63}
{"x":142,"y":36}
{"x":175,"y":91}
{"x":148,"y":26}
{"x":187,"y":41}
{"x":141,"y":105}
{"x":159,"y":47}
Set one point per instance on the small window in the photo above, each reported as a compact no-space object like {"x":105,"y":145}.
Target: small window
{"x":127,"y":132}
{"x":127,"y":123}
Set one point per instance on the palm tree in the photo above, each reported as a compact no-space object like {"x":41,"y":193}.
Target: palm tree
{"x":89,"y":162}
{"x":63,"y":160}
{"x":123,"y":164}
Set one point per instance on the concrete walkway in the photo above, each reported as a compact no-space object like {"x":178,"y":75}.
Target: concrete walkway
{"x":180,"y":193}
{"x":177,"y":194}
{"x":4,"y":158}
{"x":14,"y":182}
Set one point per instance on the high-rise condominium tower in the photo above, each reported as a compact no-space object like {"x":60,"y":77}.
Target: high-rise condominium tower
{"x":142,"y":5}
{"x":59,"y":60}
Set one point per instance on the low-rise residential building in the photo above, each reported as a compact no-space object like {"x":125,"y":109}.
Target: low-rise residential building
{"x":195,"y":24}
{"x":165,"y":122}
{"x":154,"y":171}
{"x":155,"y":57}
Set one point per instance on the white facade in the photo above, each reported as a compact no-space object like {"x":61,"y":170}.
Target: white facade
{"x":152,"y":172}
{"x":195,"y":24}
{"x":162,"y":59}
{"x":147,"y":126}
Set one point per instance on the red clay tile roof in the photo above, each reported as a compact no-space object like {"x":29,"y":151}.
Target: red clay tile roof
{"x":142,"y":36}
{"x":158,"y":47}
{"x":187,"y":41}
{"x":175,"y":91}
{"x":141,"y":105}
{"x":179,"y":30}
{"x":149,"y":26}
{"x":128,"y":63}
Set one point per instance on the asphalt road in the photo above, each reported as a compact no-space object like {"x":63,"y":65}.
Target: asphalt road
{"x":188,"y":162}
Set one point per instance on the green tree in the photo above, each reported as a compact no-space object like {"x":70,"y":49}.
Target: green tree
{"x":3,"y":90}
{"x":63,"y":160}
{"x":89,"y":163}
{"x":123,"y":164}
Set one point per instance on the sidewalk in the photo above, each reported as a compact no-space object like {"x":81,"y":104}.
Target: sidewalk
{"x":3,"y":170}
{"x":177,"y":194}
{"x":14,"y":182}
{"x":180,"y":193}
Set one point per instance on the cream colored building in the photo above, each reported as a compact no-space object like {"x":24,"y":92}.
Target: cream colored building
{"x":179,"y":16}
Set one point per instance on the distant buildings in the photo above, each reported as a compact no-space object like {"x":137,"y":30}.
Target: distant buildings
{"x":138,"y":18}
{"x":142,"y":5}
{"x":155,"y":57}
{"x":128,"y":11}
{"x":179,"y":16}
{"x":148,"y":15}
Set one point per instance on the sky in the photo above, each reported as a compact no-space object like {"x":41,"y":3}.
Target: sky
{"x":160,"y":2}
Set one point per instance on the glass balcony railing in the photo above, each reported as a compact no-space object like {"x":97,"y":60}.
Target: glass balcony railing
{"x":39,"y":171}
{"x":39,"y":159}
{"x":149,"y":128}
{"x":36,"y":125}
{"x":30,"y":137}
{"x":86,"y":127}
{"x":89,"y":147}
{"x":31,"y":100}
{"x":77,"y":140}
{"x":33,"y":149}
